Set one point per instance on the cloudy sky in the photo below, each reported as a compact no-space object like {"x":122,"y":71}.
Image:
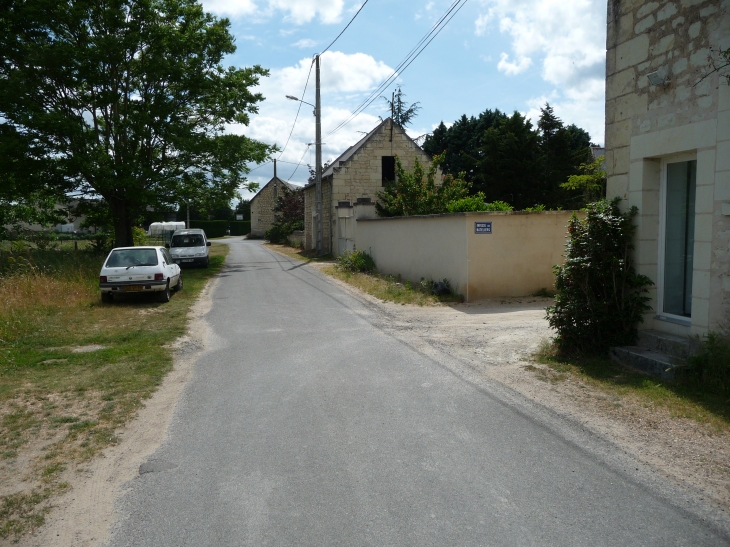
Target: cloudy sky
{"x":505,"y":54}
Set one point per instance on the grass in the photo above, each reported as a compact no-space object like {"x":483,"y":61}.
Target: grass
{"x":391,"y":289}
{"x":299,"y":254}
{"x":58,"y":407}
{"x":679,"y":400}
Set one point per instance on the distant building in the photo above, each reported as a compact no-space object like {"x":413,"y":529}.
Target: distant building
{"x":263,"y":203}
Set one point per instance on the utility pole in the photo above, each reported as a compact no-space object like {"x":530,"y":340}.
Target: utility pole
{"x":318,"y":160}
{"x":187,"y":225}
{"x":275,"y":177}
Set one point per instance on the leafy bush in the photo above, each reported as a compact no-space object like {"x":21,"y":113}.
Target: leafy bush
{"x":709,"y":367}
{"x":101,"y":243}
{"x":600,"y":298}
{"x":416,"y":192}
{"x":355,"y":261}
{"x":281,"y":230}
{"x":476,"y":203}
{"x":139,"y":236}
{"x":538,"y":208}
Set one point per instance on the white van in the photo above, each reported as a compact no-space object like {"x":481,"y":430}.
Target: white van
{"x":189,"y":247}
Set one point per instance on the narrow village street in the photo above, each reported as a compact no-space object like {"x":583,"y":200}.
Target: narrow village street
{"x":305,"y":422}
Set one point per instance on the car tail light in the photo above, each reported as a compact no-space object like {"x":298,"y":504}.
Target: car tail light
{"x":159,"y":277}
{"x":102,"y":279}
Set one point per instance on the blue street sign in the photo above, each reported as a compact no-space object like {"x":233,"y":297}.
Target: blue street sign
{"x":482,"y":227}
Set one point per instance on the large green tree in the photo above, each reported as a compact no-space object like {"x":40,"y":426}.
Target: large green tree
{"x":128,"y":101}
{"x":507,"y":159}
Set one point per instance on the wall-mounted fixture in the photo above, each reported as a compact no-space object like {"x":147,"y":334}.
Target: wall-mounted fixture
{"x":658,"y":77}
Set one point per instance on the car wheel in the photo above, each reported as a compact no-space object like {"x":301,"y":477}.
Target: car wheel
{"x":205,"y":264}
{"x":164,"y":296}
{"x":179,"y":285}
{"x":107,"y":297}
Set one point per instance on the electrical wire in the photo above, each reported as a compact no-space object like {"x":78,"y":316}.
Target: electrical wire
{"x":344,"y":29}
{"x":300,"y":161}
{"x":298,"y":110}
{"x":405,"y":63}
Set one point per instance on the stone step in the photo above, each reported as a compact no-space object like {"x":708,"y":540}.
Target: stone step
{"x":671,"y":345}
{"x":646,"y":360}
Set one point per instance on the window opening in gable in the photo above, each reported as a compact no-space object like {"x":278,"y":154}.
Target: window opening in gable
{"x":388,"y":169}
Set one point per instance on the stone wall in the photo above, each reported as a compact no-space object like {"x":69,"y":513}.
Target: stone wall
{"x":687,"y":117}
{"x":262,"y":209}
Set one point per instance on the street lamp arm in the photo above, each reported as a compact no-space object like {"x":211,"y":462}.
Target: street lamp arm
{"x":292,"y":98}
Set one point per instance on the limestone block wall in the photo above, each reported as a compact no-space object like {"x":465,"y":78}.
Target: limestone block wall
{"x":687,"y":118}
{"x":262,"y":210}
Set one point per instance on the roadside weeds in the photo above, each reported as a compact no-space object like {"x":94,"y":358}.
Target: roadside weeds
{"x":73,"y":372}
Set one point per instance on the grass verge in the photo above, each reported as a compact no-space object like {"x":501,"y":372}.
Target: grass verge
{"x":681,"y":401}
{"x":73,"y":370}
{"x":391,"y":289}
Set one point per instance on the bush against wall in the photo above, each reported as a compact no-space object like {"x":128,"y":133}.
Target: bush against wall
{"x":476,"y":202}
{"x":416,"y":192}
{"x":355,"y":261}
{"x":212,"y":228}
{"x":289,"y":211}
{"x":600,"y":298}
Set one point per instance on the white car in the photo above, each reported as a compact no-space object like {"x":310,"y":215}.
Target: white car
{"x":134,"y":270}
{"x":190,"y":247}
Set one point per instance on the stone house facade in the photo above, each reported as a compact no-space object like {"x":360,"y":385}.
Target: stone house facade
{"x":668,"y":153}
{"x":262,"y":205}
{"x":358,"y":174}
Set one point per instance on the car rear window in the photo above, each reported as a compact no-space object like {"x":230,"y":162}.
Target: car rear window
{"x":187,"y":240}
{"x":124,"y":258}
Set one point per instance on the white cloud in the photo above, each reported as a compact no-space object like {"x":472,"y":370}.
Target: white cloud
{"x":295,"y":11}
{"x":346,"y":81}
{"x":305,"y":43}
{"x":511,"y":68}
{"x":570,"y":40}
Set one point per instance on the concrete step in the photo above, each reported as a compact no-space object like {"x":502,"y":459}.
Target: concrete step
{"x":671,"y":345}
{"x":646,"y":360}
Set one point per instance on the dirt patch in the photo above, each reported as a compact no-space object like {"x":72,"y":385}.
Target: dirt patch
{"x":88,"y":506}
{"x":497,"y":338}
{"x":87,"y":349}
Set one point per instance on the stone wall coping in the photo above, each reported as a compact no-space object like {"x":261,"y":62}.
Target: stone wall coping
{"x":470,"y":213}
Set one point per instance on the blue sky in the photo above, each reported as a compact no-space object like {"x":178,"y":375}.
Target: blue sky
{"x":505,"y":54}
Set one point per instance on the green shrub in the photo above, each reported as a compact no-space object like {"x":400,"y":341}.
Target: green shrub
{"x":212,"y":228}
{"x":709,"y":367}
{"x":281,"y":230}
{"x":476,"y":203}
{"x":139,"y":236}
{"x":101,"y":243}
{"x":240,"y":227}
{"x":538,"y":208}
{"x":600,"y":298}
{"x":355,"y":261}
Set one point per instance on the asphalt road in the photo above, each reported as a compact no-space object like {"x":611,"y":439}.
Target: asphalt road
{"x":306,"y":424}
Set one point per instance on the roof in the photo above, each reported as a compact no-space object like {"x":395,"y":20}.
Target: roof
{"x":347,"y":154}
{"x":289,"y":185}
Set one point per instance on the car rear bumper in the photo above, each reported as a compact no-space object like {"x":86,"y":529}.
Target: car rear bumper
{"x":145,"y":285}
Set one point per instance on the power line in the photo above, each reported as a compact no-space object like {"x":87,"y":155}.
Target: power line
{"x":344,"y":29}
{"x":406,"y":62}
{"x":298,"y":110}
{"x":300,"y":161}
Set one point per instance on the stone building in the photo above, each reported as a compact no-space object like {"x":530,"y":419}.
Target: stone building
{"x":262,"y":205}
{"x":357,"y":175}
{"x":668,"y":153}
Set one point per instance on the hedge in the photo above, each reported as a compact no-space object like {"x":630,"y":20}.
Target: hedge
{"x":240,"y":227}
{"x":212,"y":228}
